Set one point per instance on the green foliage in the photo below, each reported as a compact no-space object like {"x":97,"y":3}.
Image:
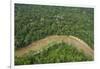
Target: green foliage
{"x":34,"y":22}
{"x":54,"y":53}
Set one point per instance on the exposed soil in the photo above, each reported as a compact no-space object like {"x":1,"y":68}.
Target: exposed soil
{"x":71,"y":40}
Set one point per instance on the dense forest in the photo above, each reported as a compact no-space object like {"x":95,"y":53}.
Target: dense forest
{"x":34,"y":22}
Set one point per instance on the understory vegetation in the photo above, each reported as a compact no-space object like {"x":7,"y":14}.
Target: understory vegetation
{"x":54,"y":53}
